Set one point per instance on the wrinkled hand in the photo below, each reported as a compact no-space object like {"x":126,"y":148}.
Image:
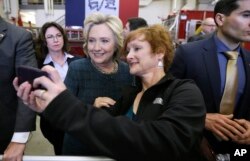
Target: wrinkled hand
{"x":223,"y":126}
{"x":14,"y":152}
{"x":245,"y":137}
{"x":39,"y":99}
{"x":103,"y":102}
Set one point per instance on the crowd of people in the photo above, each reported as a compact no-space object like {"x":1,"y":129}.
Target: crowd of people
{"x":135,"y":96}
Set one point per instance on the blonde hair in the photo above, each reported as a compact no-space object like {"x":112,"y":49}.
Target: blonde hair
{"x":113,"y":22}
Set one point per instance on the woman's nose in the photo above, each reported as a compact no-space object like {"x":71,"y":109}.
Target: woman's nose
{"x":129,"y":54}
{"x":97,"y":46}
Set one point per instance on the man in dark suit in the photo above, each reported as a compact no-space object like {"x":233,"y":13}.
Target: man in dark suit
{"x":208,"y":26}
{"x":204,"y":62}
{"x":16,"y":120}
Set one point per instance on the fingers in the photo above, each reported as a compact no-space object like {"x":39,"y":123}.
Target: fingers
{"x":245,"y":137}
{"x":54,"y":80}
{"x":43,"y":81}
{"x":24,"y":91}
{"x":14,"y":152}
{"x":222,"y":133}
{"x":241,"y":129}
{"x":243,"y":123}
{"x":104,"y":102}
{"x":223,"y":126}
{"x":38,"y":99}
{"x":229,"y":116}
{"x":110,"y":101}
{"x":15,"y":83}
{"x":53,"y":73}
{"x":40,"y":93}
{"x":234,"y":128}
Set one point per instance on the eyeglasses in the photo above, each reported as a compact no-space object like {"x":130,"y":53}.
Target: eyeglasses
{"x":210,"y":25}
{"x":52,"y":37}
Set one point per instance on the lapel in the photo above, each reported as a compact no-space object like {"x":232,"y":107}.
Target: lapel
{"x":212,"y":67}
{"x":3,"y":29}
{"x":69,"y":60}
{"x":50,"y":63}
{"x":3,"y":26}
{"x":246,"y":61}
{"x":243,"y":110}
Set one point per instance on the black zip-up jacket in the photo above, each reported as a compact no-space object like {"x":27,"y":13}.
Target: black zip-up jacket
{"x":169,"y":127}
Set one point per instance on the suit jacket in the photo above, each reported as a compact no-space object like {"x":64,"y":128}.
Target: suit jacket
{"x":198,"y":61}
{"x":16,"y":48}
{"x":169,"y":123}
{"x":196,"y":37}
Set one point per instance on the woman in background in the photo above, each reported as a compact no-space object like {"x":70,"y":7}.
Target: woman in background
{"x":53,"y":47}
{"x":102,"y":75}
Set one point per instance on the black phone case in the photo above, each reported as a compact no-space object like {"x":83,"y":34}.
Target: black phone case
{"x":27,"y":73}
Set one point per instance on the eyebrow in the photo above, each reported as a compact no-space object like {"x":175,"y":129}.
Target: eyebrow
{"x":55,"y":34}
{"x":244,"y":12}
{"x":90,"y":37}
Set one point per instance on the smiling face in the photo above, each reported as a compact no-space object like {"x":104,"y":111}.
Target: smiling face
{"x":140,"y":58}
{"x":236,"y":26}
{"x":101,"y":44}
{"x":54,"y":39}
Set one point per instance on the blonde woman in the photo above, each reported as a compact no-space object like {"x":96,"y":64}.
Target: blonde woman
{"x":101,"y":75}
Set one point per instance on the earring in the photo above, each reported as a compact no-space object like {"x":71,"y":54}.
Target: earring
{"x":160,"y":63}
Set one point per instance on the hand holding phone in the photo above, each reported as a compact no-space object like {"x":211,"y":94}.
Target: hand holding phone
{"x":27,"y":73}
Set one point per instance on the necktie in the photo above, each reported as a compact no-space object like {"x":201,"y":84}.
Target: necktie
{"x":229,"y":96}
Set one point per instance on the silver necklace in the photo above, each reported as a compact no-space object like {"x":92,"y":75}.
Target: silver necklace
{"x":114,"y":70}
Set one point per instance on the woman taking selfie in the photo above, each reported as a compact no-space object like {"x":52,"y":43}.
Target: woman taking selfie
{"x":162,"y":118}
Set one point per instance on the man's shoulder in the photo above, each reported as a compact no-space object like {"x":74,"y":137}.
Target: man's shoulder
{"x":194,"y":38}
{"x":196,"y":45}
{"x":192,"y":46}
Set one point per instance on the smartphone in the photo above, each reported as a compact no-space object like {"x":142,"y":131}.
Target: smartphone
{"x":27,"y":73}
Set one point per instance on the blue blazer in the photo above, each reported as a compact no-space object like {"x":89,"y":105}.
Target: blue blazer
{"x":198,"y":61}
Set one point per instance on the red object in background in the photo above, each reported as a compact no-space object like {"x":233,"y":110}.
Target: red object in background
{"x":247,"y":45}
{"x":19,"y":19}
{"x":128,"y":9}
{"x":76,"y":49}
{"x":187,"y":15}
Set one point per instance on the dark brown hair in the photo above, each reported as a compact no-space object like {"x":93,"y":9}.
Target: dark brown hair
{"x":42,"y":48}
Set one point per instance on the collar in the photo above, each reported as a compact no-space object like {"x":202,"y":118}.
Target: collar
{"x":221,"y":47}
{"x":168,"y":77}
{"x":3,"y":25}
{"x":202,"y":33}
{"x":49,"y":59}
